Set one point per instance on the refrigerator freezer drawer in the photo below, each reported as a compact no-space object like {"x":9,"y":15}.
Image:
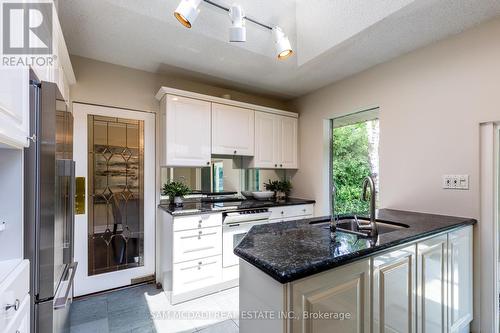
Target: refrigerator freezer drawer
{"x":13,"y":291}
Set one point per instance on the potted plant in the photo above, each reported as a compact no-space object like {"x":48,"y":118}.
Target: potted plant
{"x":281,"y":188}
{"x":176,"y":191}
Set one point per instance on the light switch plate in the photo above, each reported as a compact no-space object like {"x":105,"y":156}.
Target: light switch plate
{"x":456,"y":182}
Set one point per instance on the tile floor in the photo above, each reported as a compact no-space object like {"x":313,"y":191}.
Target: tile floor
{"x":145,"y":309}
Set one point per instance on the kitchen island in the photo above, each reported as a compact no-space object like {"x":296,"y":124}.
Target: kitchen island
{"x":416,"y":273}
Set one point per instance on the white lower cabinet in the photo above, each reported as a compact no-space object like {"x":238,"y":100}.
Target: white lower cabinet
{"x":15,"y":300}
{"x":460,"y":300}
{"x":393,"y":291}
{"x":432,"y":285}
{"x":196,"y":274}
{"x":197,"y":243}
{"x":423,"y":287}
{"x":344,"y":291}
{"x":20,"y":322}
{"x":290,"y":213}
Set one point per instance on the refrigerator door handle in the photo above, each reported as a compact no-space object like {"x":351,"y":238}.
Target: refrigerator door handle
{"x":65,"y":287}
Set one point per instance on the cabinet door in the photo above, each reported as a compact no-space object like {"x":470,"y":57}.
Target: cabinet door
{"x":432,"y":285}
{"x":460,"y":279}
{"x":14,"y":106}
{"x":187,"y":129}
{"x":344,"y":291}
{"x":288,"y":150}
{"x":233,"y":130}
{"x":267,"y":140}
{"x":394,"y":301}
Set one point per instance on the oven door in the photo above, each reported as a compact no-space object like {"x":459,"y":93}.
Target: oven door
{"x":231,"y":236}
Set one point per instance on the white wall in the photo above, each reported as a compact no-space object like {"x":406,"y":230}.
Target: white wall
{"x":111,"y":85}
{"x":431,"y":103}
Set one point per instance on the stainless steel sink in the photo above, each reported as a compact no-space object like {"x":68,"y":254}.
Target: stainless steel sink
{"x":349,"y":225}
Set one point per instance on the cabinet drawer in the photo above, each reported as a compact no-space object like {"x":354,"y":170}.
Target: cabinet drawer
{"x":197,"y":221}
{"x":20,"y":321}
{"x":285,"y":212}
{"x":197,"y":274}
{"x":13,"y":290}
{"x":198,"y":243}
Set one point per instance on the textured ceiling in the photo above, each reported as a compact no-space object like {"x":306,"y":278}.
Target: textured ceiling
{"x":333,"y":39}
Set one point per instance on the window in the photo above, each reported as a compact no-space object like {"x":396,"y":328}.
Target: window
{"x":354,"y":155}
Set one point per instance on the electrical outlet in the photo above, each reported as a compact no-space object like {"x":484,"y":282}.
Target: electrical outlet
{"x":456,"y":182}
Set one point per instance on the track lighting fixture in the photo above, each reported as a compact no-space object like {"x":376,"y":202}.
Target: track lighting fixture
{"x":237,"y":31}
{"x":282,"y":44}
{"x":187,"y":12}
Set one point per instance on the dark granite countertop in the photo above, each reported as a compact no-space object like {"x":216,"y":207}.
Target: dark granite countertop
{"x":201,"y":207}
{"x":288,"y":251}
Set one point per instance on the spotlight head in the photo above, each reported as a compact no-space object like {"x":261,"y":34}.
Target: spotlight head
{"x":282,"y":44}
{"x":237,"y":31}
{"x":187,"y":11}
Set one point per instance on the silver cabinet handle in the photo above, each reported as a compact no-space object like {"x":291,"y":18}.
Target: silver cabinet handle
{"x":15,"y":306}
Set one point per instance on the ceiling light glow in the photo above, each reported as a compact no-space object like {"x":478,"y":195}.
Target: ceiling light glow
{"x":282,"y":44}
{"x":237,"y":31}
{"x":187,"y":11}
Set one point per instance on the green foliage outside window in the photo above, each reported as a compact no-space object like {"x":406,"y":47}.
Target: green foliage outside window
{"x":351,"y":164}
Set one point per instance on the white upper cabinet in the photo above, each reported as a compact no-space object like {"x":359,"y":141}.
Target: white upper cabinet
{"x":266,"y":141}
{"x":61,"y":72}
{"x":185,"y":131}
{"x":275,"y":142}
{"x":195,"y":126}
{"x":233,"y":130}
{"x":14,"y":106}
{"x":289,"y":141}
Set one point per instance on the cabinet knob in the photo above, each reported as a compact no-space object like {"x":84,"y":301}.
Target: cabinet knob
{"x":276,"y":165}
{"x":281,"y":165}
{"x":14,"y":306}
{"x":235,"y":152}
{"x":282,"y":212}
{"x":208,"y":163}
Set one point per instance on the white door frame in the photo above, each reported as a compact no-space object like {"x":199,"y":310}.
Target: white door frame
{"x":85,"y":284}
{"x":487,"y":244}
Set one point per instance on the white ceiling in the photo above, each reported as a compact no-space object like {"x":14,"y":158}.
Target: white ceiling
{"x":333,"y":39}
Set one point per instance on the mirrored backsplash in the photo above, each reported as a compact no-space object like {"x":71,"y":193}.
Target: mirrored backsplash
{"x":225,"y":174}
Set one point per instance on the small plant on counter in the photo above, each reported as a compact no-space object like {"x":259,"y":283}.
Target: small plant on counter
{"x":281,"y":188}
{"x":271,"y":185}
{"x":175,"y":191}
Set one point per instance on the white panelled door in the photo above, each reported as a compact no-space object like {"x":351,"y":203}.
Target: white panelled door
{"x":114,"y":151}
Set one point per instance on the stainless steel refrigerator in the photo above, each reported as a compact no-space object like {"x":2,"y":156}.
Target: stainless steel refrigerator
{"x":49,"y":208}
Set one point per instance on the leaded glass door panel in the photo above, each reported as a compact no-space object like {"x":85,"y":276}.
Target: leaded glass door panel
{"x":114,"y":238}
